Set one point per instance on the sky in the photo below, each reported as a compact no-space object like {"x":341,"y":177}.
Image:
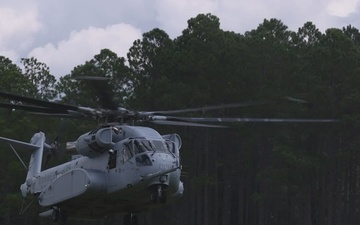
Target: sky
{"x":64,"y":34}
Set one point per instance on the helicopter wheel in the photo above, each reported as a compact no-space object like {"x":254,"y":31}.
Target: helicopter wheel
{"x":158,"y":195}
{"x":127,"y":219}
{"x":163,"y":197}
{"x":130,"y":219}
{"x":154,"y":197}
{"x":55,"y":215}
{"x":63,"y":216}
{"x":58,"y":214}
{"x":134,"y":220}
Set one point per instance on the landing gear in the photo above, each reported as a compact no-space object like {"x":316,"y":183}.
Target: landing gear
{"x":58,"y":214}
{"x":63,"y":216}
{"x":163,"y":197}
{"x":158,"y":195}
{"x":55,"y":215}
{"x":130,"y":219}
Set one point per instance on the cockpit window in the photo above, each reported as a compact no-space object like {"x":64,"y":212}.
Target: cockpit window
{"x":143,"y":160}
{"x":171,"y":147}
{"x":139,"y":146}
{"x":127,"y":154}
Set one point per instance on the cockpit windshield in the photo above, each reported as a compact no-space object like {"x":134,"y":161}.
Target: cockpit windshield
{"x":136,"y":147}
{"x":143,"y":145}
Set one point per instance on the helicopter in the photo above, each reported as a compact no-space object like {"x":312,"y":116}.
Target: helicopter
{"x":118,"y":167}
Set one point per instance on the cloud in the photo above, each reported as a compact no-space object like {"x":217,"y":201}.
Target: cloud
{"x":18,"y":28}
{"x":11,"y":54}
{"x":243,"y":15}
{"x":67,"y":33}
{"x":172,"y":16}
{"x":342,"y":8}
{"x":83,"y":45}
{"x":246,"y":15}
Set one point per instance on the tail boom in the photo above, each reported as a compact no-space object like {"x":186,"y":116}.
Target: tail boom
{"x":36,"y":146}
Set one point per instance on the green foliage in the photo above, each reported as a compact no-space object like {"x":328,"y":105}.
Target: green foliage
{"x":275,"y":164}
{"x":149,"y":64}
{"x":38,"y":74}
{"x":106,"y":64}
{"x":11,"y":78}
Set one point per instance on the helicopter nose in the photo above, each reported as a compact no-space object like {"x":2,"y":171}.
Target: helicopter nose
{"x":161,"y":164}
{"x":143,"y":160}
{"x":163,"y":161}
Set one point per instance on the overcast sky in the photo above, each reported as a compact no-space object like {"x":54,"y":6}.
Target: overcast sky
{"x":64,"y":34}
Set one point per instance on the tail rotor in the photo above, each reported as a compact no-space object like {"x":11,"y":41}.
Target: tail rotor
{"x":54,"y":148}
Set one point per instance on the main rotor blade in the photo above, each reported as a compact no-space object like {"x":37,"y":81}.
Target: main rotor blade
{"x":179,"y":123}
{"x":32,"y":108}
{"x":298,"y":100}
{"x":251,"y":120}
{"x":92,"y":78}
{"x":42,"y":103}
{"x":223,"y":106}
{"x":61,"y":115}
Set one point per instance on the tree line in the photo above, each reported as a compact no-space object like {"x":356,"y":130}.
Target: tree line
{"x":250,"y":173}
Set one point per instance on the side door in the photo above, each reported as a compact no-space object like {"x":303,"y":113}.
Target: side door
{"x":112,"y":168}
{"x":128,"y":171}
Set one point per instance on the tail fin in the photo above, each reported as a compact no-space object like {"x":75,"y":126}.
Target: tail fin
{"x":36,"y":145}
{"x":37,"y":140}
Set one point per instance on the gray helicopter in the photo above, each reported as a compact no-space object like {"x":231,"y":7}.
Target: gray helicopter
{"x":118,"y":167}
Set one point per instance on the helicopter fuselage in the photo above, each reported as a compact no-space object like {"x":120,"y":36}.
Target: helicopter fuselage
{"x":135,"y":170}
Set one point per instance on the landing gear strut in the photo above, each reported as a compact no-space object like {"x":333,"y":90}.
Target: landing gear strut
{"x":55,"y":215}
{"x":58,"y":214}
{"x":158,"y":195}
{"x":130,"y":219}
